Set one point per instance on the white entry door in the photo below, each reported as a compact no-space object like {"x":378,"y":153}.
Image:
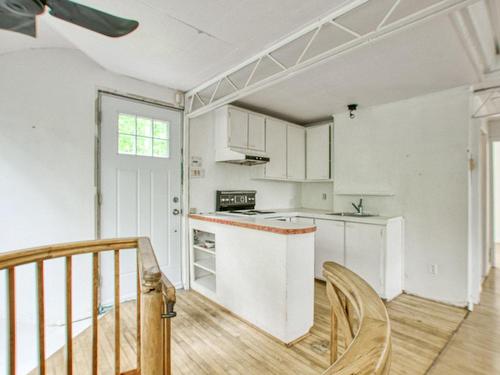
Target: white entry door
{"x":140,"y":186}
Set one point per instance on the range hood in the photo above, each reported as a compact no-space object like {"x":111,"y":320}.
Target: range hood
{"x":240,"y":156}
{"x":249,"y":160}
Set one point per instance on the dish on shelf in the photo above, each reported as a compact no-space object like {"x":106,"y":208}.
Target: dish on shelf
{"x":209,"y":244}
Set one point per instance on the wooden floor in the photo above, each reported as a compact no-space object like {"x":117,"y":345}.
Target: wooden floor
{"x":475,"y":349}
{"x":209,"y":340}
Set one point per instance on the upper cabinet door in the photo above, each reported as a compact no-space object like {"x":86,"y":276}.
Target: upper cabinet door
{"x":256,"y":132}
{"x":238,"y":128}
{"x":296,"y":154}
{"x":318,"y":152}
{"x":276,"y":148}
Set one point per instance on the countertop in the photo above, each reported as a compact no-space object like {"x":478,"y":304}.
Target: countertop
{"x":257,"y":223}
{"x":323,"y":214}
{"x":265,"y":222}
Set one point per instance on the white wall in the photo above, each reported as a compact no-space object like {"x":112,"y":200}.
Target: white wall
{"x":223,"y":176}
{"x":47,"y":163}
{"x":317,"y":195}
{"x":417,"y":150}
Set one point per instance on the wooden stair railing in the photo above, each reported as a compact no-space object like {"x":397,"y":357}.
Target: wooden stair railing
{"x":155,"y":302}
{"x":360,"y":317}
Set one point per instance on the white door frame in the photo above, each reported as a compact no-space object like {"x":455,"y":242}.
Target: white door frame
{"x":186,"y":152}
{"x":97,"y":168}
{"x":493,"y":218}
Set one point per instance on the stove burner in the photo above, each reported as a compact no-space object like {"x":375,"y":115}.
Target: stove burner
{"x":252,"y":212}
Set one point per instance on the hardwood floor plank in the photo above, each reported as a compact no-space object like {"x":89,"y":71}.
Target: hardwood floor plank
{"x":475,"y":348}
{"x":206,"y":339}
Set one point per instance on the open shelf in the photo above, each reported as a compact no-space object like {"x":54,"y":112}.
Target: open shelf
{"x":207,"y":264}
{"x":205,"y":249}
{"x":203,"y":260}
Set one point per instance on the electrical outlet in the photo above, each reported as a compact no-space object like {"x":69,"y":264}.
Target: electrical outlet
{"x":433,"y":269}
{"x":323,"y":196}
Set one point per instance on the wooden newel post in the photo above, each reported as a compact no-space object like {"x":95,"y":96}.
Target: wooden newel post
{"x":151,"y":325}
{"x":169,"y":299}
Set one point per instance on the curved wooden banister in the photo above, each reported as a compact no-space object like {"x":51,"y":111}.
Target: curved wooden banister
{"x":34,"y":254}
{"x":155,"y":301}
{"x":360,"y":317}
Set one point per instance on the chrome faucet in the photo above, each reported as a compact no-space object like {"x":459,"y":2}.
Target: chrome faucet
{"x":359,"y":208}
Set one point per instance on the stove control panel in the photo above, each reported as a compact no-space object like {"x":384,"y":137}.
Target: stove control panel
{"x":230,"y":200}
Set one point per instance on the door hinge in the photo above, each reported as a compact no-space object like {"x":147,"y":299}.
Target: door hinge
{"x":99,"y":199}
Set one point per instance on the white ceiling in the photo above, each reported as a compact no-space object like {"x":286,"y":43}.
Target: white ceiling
{"x":48,"y":38}
{"x":420,"y":60}
{"x":182,"y":43}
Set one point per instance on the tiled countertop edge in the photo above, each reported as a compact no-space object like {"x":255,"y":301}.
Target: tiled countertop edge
{"x":261,"y":227}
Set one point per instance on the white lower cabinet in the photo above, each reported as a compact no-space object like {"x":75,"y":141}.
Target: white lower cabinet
{"x":364,"y":252}
{"x":374,"y":252}
{"x":329,"y":244}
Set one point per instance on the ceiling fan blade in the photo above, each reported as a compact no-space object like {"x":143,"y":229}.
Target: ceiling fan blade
{"x":92,"y":19}
{"x":18,"y":23}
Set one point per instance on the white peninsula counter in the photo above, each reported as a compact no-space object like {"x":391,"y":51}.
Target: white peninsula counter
{"x":260,"y":270}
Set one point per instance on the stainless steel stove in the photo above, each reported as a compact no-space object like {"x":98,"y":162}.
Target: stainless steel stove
{"x":238,"y":202}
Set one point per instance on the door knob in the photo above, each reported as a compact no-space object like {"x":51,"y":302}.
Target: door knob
{"x":176,"y":211}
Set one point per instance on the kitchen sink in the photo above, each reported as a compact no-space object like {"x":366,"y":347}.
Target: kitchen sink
{"x":350,"y":214}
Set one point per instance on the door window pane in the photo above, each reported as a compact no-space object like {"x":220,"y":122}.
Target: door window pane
{"x":144,"y":126}
{"x":126,"y":144}
{"x":144,"y":146}
{"x":143,"y":136}
{"x":160,"y":148}
{"x":161,"y":130}
{"x":126,"y":124}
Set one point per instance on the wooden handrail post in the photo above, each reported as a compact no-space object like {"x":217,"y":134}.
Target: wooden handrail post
{"x":12,"y":320}
{"x":151,"y":331}
{"x":167,"y":347}
{"x":169,"y":299}
{"x":155,"y":302}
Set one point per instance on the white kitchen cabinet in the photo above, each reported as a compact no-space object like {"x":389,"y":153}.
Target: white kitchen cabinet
{"x":238,"y":133}
{"x":318,"y":152}
{"x":364,"y":252}
{"x":256,"y":132}
{"x":238,"y":128}
{"x":296,"y":152}
{"x":276,"y":148}
{"x":329,"y":244}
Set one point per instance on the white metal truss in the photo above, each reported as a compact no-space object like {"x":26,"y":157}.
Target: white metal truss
{"x":488,"y":103}
{"x":269,"y":66}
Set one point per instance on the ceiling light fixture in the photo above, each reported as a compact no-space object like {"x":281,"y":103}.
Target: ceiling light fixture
{"x":352,"y":108}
